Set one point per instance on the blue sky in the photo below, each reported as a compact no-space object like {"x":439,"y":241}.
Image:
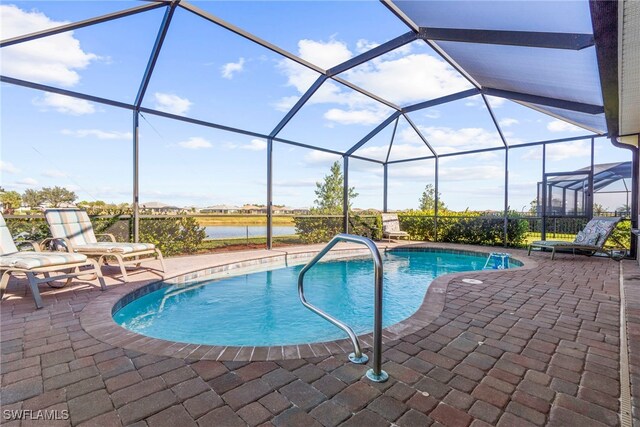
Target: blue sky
{"x":206,"y":72}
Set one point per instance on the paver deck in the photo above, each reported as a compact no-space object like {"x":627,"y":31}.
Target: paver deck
{"x":531,"y":346}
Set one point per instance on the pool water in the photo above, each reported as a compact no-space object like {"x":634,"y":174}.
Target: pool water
{"x":263,"y":308}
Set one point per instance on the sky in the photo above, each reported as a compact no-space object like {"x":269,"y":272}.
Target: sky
{"x":209,"y":73}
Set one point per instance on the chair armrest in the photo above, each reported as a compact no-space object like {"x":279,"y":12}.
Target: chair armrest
{"x":65,"y":242}
{"x":110,"y":236}
{"x":34,"y":245}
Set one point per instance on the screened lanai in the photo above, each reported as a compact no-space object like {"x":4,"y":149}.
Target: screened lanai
{"x":207,"y":102}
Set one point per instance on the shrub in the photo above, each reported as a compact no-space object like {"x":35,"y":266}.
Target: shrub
{"x":317,"y":229}
{"x":320,"y":229}
{"x":172,"y":235}
{"x":463,"y":227}
{"x":32,"y":228}
{"x":621,"y":235}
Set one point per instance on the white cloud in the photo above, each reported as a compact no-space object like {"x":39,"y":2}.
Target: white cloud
{"x":451,"y":174}
{"x":562,"y":126}
{"x":285,"y":104}
{"x":228,"y":70}
{"x":52,"y":60}
{"x":422,"y":77}
{"x":432,"y":114}
{"x":408,"y":79}
{"x":560,"y":151}
{"x":65,"y":104}
{"x":171,"y":103}
{"x":255,"y":145}
{"x":364,"y":45}
{"x":195,"y":143}
{"x":54,"y":173}
{"x":8,"y":167}
{"x":444,"y":139}
{"x":506,"y":122}
{"x":297,"y":183}
{"x":27,"y":182}
{"x":350,"y":117}
{"x":398,"y":151}
{"x":97,"y":133}
{"x":321,"y":157}
{"x":324,"y":54}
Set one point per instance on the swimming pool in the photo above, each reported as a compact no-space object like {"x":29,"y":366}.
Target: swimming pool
{"x":263,"y":309}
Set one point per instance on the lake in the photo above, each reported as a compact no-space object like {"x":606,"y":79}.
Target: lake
{"x":240,"y":231}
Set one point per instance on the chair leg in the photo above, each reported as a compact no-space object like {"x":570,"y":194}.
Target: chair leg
{"x":529,"y":252}
{"x":33,"y":285}
{"x":4,"y":281}
{"x":553,"y":253}
{"x":98,"y":273}
{"x":159,"y":254}
{"x":123,"y":270}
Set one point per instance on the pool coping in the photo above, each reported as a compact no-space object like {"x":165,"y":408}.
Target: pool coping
{"x":96,"y":317}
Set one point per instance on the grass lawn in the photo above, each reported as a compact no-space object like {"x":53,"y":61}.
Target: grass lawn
{"x":242,"y":220}
{"x":244,"y":244}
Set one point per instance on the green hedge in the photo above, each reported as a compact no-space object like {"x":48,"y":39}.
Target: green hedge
{"x":472,"y":228}
{"x":466,"y":227}
{"x":320,"y":229}
{"x":172,"y":236}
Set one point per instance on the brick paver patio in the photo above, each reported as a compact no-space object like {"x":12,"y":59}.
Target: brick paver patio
{"x":527,"y":347}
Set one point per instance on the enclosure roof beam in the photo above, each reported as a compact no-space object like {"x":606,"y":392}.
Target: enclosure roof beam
{"x":483,"y":150}
{"x":373,"y":133}
{"x":544,"y":100}
{"x":366,"y":93}
{"x":495,"y":121}
{"x":604,"y":19}
{"x":373,"y":53}
{"x":570,"y":41}
{"x":393,"y":136}
{"x":441,"y":100}
{"x":298,"y":105}
{"x":422,"y":137}
{"x":409,"y":22}
{"x":239,"y":31}
{"x":81,"y":24}
{"x":46,"y":88}
{"x":162,"y":32}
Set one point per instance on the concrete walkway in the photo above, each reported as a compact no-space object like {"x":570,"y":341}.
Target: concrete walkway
{"x":527,"y":347}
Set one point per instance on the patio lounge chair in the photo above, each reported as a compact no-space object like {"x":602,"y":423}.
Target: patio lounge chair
{"x":589,"y":241}
{"x":74,"y":228}
{"x":391,"y":227}
{"x":41,"y":263}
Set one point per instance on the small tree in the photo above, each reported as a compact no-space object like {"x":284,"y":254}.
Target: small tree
{"x":330,"y":192}
{"x":428,"y":199}
{"x":11,"y":200}
{"x":598,"y":209}
{"x":58,"y":195}
{"x":32,"y":198}
{"x":329,"y":195}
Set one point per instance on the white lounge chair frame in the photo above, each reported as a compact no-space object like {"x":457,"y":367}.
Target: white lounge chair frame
{"x":391,"y":227}
{"x":8,"y":248}
{"x":81,"y":237}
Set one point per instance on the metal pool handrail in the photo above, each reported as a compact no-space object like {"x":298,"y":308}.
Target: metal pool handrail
{"x":376,"y":374}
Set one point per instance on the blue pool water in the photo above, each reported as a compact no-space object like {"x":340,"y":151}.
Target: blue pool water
{"x":260,"y":309}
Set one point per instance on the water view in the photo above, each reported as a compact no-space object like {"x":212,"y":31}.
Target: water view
{"x":240,"y":231}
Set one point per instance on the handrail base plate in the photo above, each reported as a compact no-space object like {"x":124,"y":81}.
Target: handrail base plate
{"x":358,"y":360}
{"x":382,"y":377}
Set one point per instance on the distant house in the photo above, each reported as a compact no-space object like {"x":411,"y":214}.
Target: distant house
{"x":253,"y":210}
{"x":301,"y":211}
{"x":220,"y":209}
{"x":159,"y":208}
